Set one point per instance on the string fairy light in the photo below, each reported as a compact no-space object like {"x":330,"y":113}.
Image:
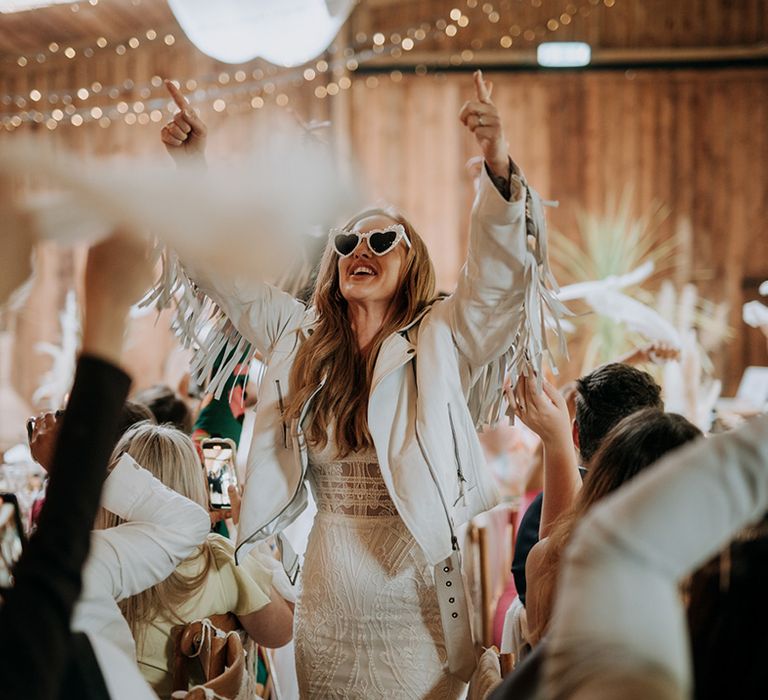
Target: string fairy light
{"x":91,"y":49}
{"x":240,"y":90}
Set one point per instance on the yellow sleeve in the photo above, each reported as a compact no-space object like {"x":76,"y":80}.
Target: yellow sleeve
{"x":247,"y":587}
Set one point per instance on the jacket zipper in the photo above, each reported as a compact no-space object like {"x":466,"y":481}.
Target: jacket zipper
{"x":282,"y":413}
{"x":433,"y":474}
{"x":459,"y":473}
{"x":454,"y":539}
{"x":300,"y":420}
{"x":301,"y":479}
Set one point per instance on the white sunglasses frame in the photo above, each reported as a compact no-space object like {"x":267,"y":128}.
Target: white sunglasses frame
{"x":399,"y":229}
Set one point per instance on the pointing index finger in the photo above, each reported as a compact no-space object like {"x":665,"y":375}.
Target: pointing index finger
{"x":175,"y":93}
{"x":483,"y":92}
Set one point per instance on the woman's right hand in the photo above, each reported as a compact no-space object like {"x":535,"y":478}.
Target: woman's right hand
{"x":184,"y":136}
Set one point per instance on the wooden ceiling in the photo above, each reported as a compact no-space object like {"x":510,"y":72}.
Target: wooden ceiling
{"x":603,"y":23}
{"x":81,"y":23}
{"x":608,"y":24}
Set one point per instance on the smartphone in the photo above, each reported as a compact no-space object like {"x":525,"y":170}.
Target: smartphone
{"x":219,"y":458}
{"x":11,"y":537}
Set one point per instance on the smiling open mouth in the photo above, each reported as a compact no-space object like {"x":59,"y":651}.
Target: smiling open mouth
{"x":362,"y":271}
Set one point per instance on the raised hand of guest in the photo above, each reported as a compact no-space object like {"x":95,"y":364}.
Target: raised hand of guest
{"x":117,"y":273}
{"x":482,"y":118}
{"x":184,"y":136}
{"x":545,"y":412}
{"x":657,"y":352}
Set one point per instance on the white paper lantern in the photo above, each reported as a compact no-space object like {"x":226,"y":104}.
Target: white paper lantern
{"x":284,"y":32}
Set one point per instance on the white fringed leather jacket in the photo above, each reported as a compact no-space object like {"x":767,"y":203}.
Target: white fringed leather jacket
{"x":434,"y":383}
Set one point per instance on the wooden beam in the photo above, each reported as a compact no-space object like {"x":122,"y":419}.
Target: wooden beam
{"x":600,"y":57}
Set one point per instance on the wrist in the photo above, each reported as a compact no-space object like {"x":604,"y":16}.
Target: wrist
{"x":103,"y":331}
{"x":558,"y":445}
{"x":499,"y":166}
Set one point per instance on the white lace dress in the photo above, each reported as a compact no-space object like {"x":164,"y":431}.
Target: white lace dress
{"x":367,"y":618}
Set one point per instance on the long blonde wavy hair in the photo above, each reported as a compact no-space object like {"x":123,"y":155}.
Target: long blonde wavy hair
{"x":169,"y":455}
{"x":331,"y":350}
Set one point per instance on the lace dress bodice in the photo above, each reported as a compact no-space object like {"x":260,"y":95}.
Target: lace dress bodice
{"x":350,"y":485}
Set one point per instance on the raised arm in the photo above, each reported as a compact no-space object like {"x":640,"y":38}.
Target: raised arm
{"x":487,"y":306}
{"x":546,"y":413}
{"x":35,"y":615}
{"x":259,"y":311}
{"x":162,"y":529}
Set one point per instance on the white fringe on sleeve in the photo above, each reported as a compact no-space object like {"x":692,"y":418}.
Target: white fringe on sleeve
{"x":542,"y":310}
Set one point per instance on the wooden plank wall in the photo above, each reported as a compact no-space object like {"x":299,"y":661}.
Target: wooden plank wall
{"x":692,"y":140}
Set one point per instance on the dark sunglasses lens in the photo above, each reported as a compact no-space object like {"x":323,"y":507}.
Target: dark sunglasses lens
{"x":382,"y":241}
{"x":30,"y":427}
{"x":345,"y":243}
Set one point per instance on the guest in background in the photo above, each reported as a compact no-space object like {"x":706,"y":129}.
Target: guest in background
{"x":603,"y":398}
{"x":166,"y":406}
{"x":44,"y":433}
{"x":134,"y":412}
{"x":632,"y":445}
{"x":223,"y":417}
{"x":156,"y":529}
{"x":208,"y":582}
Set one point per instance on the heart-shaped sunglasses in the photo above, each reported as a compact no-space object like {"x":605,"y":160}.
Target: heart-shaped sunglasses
{"x":380,"y":241}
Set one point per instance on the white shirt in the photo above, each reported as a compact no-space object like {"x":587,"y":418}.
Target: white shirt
{"x":162,"y":529}
{"x":619,"y":601}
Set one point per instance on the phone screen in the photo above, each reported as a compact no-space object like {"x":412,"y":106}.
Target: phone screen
{"x":11,"y":538}
{"x":219,"y":456}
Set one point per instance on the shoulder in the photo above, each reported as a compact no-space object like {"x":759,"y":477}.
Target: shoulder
{"x":433,"y":314}
{"x":221,"y":548}
{"x":536,"y":557}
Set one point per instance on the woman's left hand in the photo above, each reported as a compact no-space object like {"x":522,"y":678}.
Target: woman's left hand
{"x":481,"y":117}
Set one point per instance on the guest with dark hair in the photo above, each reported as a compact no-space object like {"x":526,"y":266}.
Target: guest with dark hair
{"x":603,"y":398}
{"x":134,"y":412}
{"x":634,"y":444}
{"x":728,"y":618}
{"x":44,"y":430}
{"x":166,"y":407}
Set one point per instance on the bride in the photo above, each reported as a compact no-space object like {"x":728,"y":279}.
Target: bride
{"x":371,"y":396}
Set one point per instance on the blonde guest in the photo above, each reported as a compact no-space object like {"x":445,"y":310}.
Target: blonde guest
{"x":208,"y":582}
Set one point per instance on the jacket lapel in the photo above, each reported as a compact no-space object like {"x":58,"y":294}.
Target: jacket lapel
{"x":395,"y":352}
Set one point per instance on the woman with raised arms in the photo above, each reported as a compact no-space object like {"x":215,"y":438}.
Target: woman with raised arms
{"x":372,"y":396}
